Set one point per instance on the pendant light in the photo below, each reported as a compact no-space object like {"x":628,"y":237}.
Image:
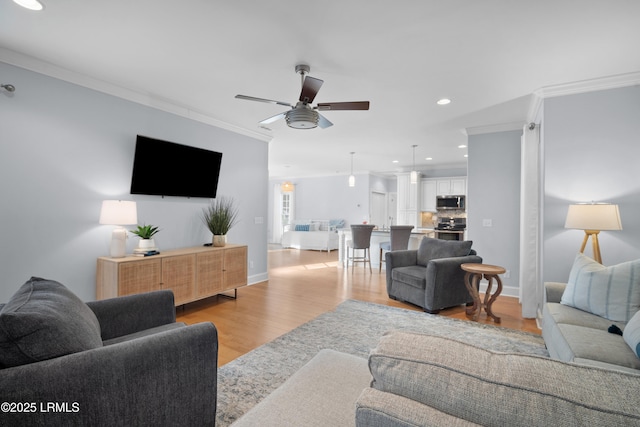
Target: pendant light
{"x":352,"y":177}
{"x":414,"y":173}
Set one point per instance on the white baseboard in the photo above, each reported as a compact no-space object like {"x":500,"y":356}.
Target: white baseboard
{"x":510,"y":291}
{"x":257,"y":278}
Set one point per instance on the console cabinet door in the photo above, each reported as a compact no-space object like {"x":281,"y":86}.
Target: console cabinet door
{"x":235,"y":267}
{"x":138,"y":277}
{"x":209,"y":278}
{"x":178,"y":274}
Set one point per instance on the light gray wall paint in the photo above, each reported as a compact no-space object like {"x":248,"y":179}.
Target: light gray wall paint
{"x":493,"y":188}
{"x":65,"y":148}
{"x":591,"y":153}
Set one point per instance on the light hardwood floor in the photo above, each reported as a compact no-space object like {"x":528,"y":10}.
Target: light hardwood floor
{"x":301,"y":286}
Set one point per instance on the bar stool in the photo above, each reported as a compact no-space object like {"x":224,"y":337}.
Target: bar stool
{"x":360,"y":239}
{"x":399,"y":236}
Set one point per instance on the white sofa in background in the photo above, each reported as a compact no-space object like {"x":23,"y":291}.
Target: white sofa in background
{"x":313,"y":234}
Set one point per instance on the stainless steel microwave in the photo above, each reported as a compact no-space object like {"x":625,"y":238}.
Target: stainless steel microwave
{"x":450,"y":202}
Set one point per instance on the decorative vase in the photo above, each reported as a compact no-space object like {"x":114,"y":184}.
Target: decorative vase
{"x":219,"y":240}
{"x":147,"y":244}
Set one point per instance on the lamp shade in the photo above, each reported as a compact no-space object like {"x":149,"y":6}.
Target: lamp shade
{"x":286,"y":187}
{"x":596,"y":216}
{"x":118,"y":212}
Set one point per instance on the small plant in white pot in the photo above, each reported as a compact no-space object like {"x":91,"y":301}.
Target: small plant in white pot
{"x":146,"y":233}
{"x":219,"y":217}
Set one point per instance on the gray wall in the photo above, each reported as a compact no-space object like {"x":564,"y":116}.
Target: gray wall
{"x":493,"y":188}
{"x":591,"y":153}
{"x":65,"y":148}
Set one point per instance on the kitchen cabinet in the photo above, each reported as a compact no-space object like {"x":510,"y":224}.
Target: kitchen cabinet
{"x":455,"y":186}
{"x":408,"y":201}
{"x":428,"y":196}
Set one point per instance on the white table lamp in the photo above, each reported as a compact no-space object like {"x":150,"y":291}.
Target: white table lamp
{"x":118,"y":212}
{"x":593,"y":218}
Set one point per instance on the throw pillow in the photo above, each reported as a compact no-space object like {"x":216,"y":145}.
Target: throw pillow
{"x":302,"y":227}
{"x":435,"y":248}
{"x":609,"y":292}
{"x":631,"y":333}
{"x":44,"y":320}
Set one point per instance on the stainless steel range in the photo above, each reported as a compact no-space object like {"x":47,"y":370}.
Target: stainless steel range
{"x":451,"y":228}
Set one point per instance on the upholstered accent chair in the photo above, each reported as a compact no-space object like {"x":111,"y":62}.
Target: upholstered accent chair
{"x":399,"y":236}
{"x":430,"y":276}
{"x":120,"y":361}
{"x":360,"y":240}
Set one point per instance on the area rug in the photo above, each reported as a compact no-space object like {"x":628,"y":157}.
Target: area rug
{"x":355,"y":328}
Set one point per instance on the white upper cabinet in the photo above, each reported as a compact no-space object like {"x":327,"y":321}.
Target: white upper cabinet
{"x":433,"y":187}
{"x":452,"y":186}
{"x":408,"y":201}
{"x":429,"y":193}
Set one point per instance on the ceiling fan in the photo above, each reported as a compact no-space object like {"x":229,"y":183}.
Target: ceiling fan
{"x":303,"y":115}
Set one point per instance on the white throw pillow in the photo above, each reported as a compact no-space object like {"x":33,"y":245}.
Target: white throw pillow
{"x":610,"y":292}
{"x":631,"y":333}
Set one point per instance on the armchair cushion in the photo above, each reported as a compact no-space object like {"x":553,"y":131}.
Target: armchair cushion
{"x":44,"y":320}
{"x":435,"y":248}
{"x":414,"y":275}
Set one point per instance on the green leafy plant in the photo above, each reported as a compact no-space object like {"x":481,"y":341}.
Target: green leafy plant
{"x":145,"y":231}
{"x":220,"y":215}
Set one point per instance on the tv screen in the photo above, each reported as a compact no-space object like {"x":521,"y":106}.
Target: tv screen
{"x":165,"y":168}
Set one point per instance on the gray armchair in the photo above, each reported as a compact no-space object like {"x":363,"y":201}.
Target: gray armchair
{"x":145,"y":369}
{"x":430,"y":277}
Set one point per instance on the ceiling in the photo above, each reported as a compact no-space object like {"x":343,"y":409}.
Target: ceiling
{"x":487,"y":56}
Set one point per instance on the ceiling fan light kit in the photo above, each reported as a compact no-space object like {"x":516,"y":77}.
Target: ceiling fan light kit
{"x":303,"y":115}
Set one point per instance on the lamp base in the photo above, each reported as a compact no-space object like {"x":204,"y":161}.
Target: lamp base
{"x":594,"y":243}
{"x":118,"y":242}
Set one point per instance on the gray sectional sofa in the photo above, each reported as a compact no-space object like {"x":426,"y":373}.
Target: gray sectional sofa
{"x":413,"y":379}
{"x":574,"y":335}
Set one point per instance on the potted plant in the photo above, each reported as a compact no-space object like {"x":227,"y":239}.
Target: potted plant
{"x":219,"y":217}
{"x":146,"y":233}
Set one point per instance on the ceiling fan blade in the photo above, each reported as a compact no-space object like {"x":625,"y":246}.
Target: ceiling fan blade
{"x":310,"y":89}
{"x":323,"y":122}
{"x":360,"y":105}
{"x":273,"y":118}
{"x":268,"y":101}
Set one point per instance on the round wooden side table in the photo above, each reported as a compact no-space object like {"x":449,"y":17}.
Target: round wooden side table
{"x":475,"y":273}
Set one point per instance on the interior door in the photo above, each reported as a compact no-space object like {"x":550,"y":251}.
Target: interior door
{"x":378,"y":212}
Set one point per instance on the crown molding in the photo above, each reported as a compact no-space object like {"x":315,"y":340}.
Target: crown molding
{"x":504,"y":127}
{"x":33,"y":64}
{"x":592,"y":85}
{"x":575,"y":88}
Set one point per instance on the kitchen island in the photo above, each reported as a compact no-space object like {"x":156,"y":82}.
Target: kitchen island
{"x":378,"y":236}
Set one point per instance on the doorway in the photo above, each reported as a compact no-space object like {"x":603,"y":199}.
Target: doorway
{"x":378,"y":214}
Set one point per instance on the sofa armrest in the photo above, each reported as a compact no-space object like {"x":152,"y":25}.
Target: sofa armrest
{"x":395,"y":259}
{"x":377,"y":408}
{"x":553,"y":291}
{"x":445,"y":282}
{"x":133,"y":313}
{"x":169,"y":378}
{"x":449,"y":268}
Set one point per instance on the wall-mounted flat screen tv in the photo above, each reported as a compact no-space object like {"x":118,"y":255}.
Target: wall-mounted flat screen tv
{"x":165,"y":168}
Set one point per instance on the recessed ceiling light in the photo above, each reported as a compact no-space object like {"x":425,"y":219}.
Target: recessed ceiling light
{"x":466,"y":155}
{"x":30,"y":4}
{"x":443,"y":101}
{"x":462,"y":146}
{"x":394,"y":161}
{"x":428,"y":158}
